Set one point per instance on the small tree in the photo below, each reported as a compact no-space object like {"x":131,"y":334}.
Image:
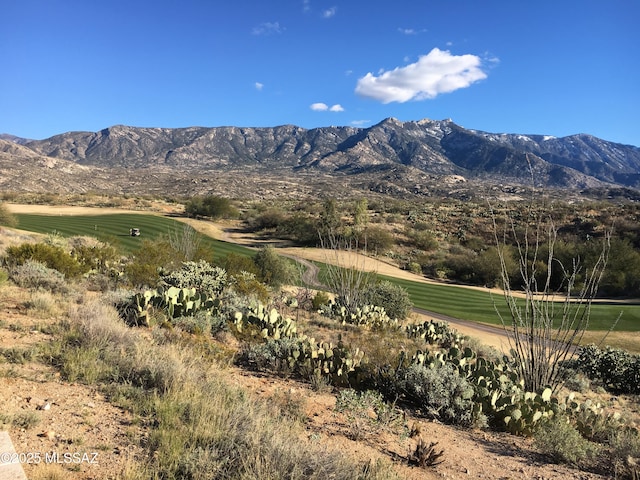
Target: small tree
{"x":544,"y":324}
{"x":210,"y":206}
{"x":274,"y":270}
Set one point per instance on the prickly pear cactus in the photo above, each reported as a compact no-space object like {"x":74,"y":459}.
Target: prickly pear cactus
{"x":269,"y":323}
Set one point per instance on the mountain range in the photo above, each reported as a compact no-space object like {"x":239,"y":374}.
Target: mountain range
{"x":413,"y":157}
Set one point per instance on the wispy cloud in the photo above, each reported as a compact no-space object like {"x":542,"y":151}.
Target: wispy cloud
{"x":433,"y":74}
{"x":323,"y":107}
{"x":306,"y":5}
{"x":360,"y":123}
{"x":329,"y":12}
{"x":267,"y":28}
{"x":259,"y":86}
{"x":411,"y":31}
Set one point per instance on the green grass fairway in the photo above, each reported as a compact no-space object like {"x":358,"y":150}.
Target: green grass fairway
{"x":114,"y":228}
{"x":475,"y":305}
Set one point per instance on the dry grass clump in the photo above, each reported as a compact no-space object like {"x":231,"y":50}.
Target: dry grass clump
{"x":200,"y":427}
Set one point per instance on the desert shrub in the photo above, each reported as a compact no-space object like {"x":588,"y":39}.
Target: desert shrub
{"x":393,"y":298}
{"x":271,"y":356}
{"x":577,"y":381}
{"x":367,"y":412}
{"x":617,"y":369}
{"x":459,"y":264}
{"x":201,"y":275}
{"x":25,"y":420}
{"x":201,"y":323}
{"x":486,"y":268}
{"x":624,"y":453}
{"x":422,"y":239}
{"x":299,"y":229}
{"x":273,"y":269}
{"x":320,"y":299}
{"x":94,"y":255}
{"x":98,"y":347}
{"x":4,"y":276}
{"x":438,"y":391}
{"x":234,"y":264}
{"x":35,"y":275}
{"x":376,"y":239}
{"x":210,"y":206}
{"x":146,"y":263}
{"x":50,"y":255}
{"x":18,"y":355}
{"x":7,"y":218}
{"x":268,"y":219}
{"x":210,"y":430}
{"x":559,"y":439}
{"x":415,"y":267}
{"x":246,"y":285}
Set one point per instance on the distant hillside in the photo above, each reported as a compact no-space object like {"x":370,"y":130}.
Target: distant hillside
{"x":399,"y":152}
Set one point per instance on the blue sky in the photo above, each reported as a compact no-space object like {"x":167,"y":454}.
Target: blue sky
{"x":546,"y":67}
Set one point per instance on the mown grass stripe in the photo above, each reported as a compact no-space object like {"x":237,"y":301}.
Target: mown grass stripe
{"x":114,"y":228}
{"x":478,"y":306}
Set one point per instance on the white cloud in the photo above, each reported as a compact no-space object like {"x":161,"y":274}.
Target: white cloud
{"x":267,"y":28}
{"x":359,"y":123}
{"x":259,"y":86}
{"x":330,"y":12}
{"x":411,"y":31}
{"x":306,"y":5}
{"x":433,"y":74}
{"x":323,"y":107}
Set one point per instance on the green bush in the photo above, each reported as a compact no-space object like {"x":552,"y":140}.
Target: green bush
{"x":234,"y":264}
{"x":210,"y":206}
{"x":273,"y":269}
{"x":423,"y":240}
{"x":246,"y":285}
{"x":393,"y":298}
{"x":376,"y":240}
{"x":50,"y":255}
{"x":320,"y":299}
{"x":617,"y":369}
{"x":147,"y":263}
{"x":559,"y":439}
